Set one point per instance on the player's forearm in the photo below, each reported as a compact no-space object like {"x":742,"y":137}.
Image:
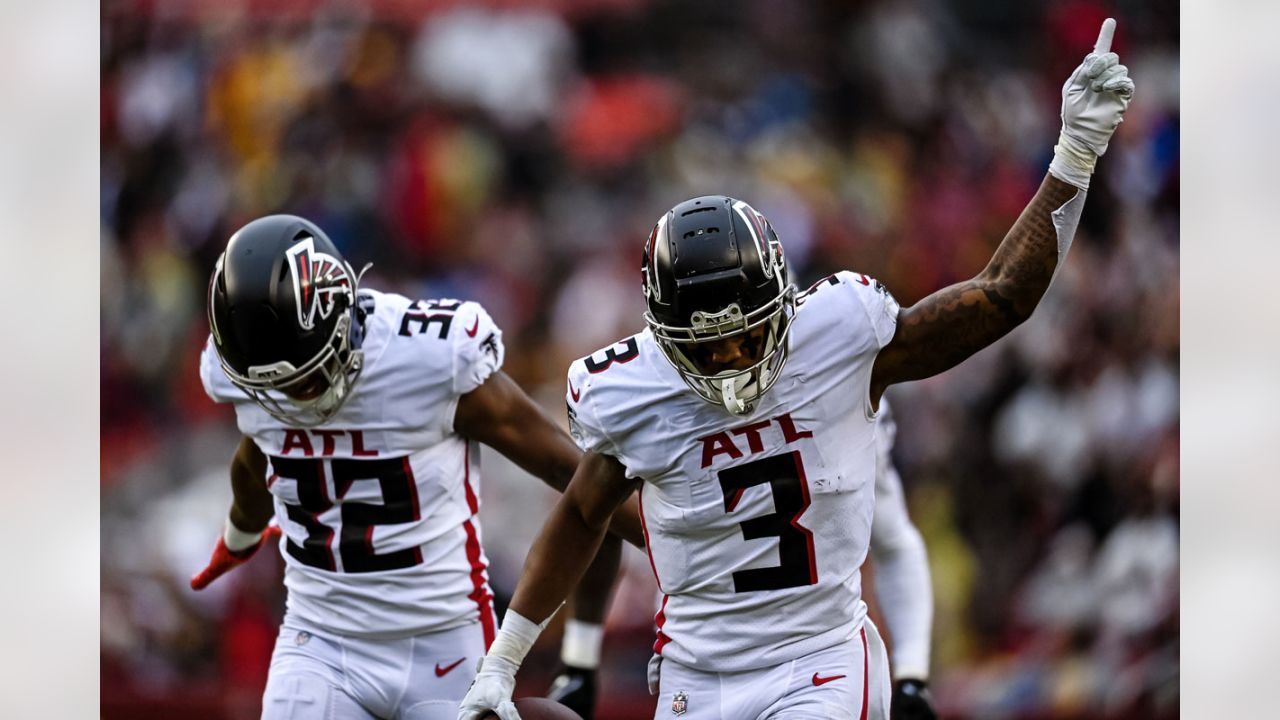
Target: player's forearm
{"x":625,"y":522}
{"x":250,"y":521}
{"x":591,"y":596}
{"x":568,"y":542}
{"x":251,"y":504}
{"x":1024,"y":263}
{"x":584,"y":632}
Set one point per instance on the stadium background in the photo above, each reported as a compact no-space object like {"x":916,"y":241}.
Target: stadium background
{"x":517,"y":153}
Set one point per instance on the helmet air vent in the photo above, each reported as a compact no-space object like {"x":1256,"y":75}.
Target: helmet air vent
{"x":701,"y":231}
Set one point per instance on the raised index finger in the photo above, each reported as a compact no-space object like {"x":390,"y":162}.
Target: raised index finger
{"x":1104,"y":36}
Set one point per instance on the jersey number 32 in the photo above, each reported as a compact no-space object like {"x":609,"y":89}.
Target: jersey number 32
{"x":355,"y":546}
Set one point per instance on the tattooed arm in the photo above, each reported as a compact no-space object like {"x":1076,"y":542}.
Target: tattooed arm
{"x":955,"y":322}
{"x":943,"y":329}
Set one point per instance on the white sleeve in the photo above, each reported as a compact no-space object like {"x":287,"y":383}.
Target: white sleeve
{"x":862,"y":317}
{"x":584,"y":423}
{"x":876,"y":300}
{"x":903,"y":585}
{"x":477,"y":347}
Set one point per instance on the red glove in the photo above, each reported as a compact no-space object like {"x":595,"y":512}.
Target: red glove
{"x":223,"y":559}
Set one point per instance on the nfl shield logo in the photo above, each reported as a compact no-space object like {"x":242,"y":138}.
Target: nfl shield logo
{"x":679,"y":703}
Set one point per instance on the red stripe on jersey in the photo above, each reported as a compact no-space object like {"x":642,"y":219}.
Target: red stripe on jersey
{"x":661,"y":619}
{"x":480,"y":594}
{"x":647,"y":545}
{"x":472,"y":504}
{"x":866,"y":690}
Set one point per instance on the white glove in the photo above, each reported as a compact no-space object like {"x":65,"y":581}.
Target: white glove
{"x":491,"y":690}
{"x":1094,"y":99}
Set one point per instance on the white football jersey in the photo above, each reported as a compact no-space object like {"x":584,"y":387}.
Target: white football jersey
{"x":756,"y":525}
{"x":378,"y":506}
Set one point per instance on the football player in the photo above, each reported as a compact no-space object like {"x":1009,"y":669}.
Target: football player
{"x":902,"y":585}
{"x":360,"y":413}
{"x":745,"y":416}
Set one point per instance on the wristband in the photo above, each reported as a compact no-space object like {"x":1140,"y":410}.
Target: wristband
{"x":238,"y":540}
{"x":516,"y":637}
{"x":581,"y":645}
{"x":903,"y":672}
{"x":1073,"y":161}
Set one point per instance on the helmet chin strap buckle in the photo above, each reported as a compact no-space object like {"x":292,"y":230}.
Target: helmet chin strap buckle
{"x":729,"y":398}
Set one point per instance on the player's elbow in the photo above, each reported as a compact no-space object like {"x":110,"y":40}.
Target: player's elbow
{"x":576,"y":510}
{"x":1013,"y":295}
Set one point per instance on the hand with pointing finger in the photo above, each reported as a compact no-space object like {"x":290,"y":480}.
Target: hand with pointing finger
{"x":1094,"y":100}
{"x":224,"y":558}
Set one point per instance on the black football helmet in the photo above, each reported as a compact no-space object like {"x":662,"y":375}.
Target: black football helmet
{"x":714,"y":268}
{"x":282,"y":310}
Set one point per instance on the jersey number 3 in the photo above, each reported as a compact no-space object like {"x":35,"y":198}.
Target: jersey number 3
{"x":400,"y":505}
{"x":785,"y":476}
{"x":630,"y":351}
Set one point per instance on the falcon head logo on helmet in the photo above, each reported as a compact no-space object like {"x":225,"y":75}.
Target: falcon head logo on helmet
{"x":318,"y":280}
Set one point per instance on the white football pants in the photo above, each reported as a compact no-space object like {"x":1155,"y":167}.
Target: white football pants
{"x":844,"y":682}
{"x":318,"y":675}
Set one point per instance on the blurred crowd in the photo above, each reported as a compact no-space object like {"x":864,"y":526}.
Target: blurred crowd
{"x":518,"y":153}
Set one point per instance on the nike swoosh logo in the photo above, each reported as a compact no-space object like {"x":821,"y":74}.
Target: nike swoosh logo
{"x":474,"y":328}
{"x":574,"y":392}
{"x":816,"y":680}
{"x":441,"y":672}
